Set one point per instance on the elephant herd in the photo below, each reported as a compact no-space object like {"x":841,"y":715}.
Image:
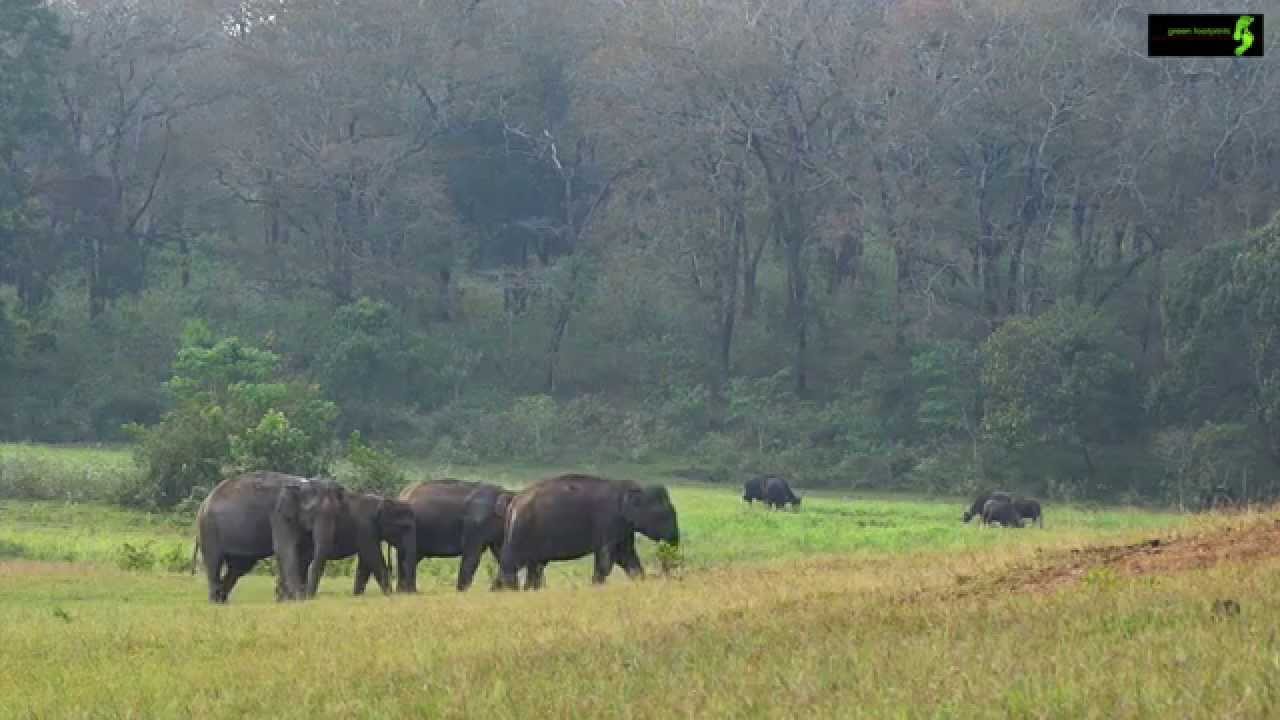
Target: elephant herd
{"x":305,"y":522}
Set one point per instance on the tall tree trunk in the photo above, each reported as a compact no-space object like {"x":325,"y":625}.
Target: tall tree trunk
{"x":737,"y":238}
{"x":561,"y":322}
{"x":93,"y":276}
{"x":445,"y":296}
{"x":792,"y":236}
{"x":751,"y":263}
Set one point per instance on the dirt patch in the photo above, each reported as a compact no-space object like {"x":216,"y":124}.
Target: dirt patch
{"x":1232,"y":544}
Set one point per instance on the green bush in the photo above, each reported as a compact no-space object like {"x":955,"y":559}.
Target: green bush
{"x":373,"y":469}
{"x":136,"y":557}
{"x":233,"y":413}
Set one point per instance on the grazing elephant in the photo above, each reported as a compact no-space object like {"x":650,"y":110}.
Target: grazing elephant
{"x":255,"y":516}
{"x":568,"y":516}
{"x":1029,"y":509}
{"x":975,"y":510}
{"x":456,"y":519}
{"x":369,"y":521}
{"x":777,"y":493}
{"x":1003,"y":512}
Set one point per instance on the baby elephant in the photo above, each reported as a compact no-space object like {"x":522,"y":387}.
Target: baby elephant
{"x":1003,"y":512}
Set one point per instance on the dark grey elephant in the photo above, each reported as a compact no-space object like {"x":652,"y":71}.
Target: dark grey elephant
{"x":568,"y":516}
{"x":370,"y":520}
{"x":255,"y":516}
{"x":456,"y":519}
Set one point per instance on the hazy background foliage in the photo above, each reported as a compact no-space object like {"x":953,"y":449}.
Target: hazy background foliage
{"x":915,"y":244}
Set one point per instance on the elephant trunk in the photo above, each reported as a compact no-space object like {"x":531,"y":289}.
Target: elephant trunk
{"x":323,"y":540}
{"x":407,"y":563}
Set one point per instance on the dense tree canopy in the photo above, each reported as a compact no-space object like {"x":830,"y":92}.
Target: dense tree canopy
{"x":915,"y":243}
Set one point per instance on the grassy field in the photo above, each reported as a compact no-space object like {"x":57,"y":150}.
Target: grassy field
{"x":857,"y":606}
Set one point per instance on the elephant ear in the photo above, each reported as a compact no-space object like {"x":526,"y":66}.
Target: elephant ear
{"x":288,"y":501}
{"x":501,"y":503}
{"x":633,"y":502}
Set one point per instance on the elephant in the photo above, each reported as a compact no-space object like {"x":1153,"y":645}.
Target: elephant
{"x":568,"y":516}
{"x":1003,"y":512}
{"x":777,"y":493}
{"x":257,"y":515}
{"x":369,"y":521}
{"x":975,"y":510}
{"x":456,"y":519}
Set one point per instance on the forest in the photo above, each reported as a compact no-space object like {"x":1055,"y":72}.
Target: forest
{"x":919,"y":245}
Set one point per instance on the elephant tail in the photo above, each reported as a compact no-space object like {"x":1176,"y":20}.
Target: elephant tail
{"x":195,"y":552}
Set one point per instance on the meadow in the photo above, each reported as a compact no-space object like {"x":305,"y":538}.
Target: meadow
{"x":855,"y":606}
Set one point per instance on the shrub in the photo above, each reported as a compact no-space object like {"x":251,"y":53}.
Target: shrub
{"x":233,"y":413}
{"x":372,"y":469}
{"x":136,"y":557}
{"x":177,"y":559}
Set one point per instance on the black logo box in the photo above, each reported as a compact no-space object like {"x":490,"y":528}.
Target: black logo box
{"x":1191,"y":35}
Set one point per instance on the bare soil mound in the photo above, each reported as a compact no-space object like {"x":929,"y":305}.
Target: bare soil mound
{"x":1232,"y":544}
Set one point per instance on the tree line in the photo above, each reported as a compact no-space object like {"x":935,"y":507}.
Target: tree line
{"x":921,"y":244}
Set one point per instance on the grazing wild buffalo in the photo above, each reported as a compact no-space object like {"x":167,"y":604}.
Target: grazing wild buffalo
{"x":771,"y":490}
{"x":1029,"y":509}
{"x":777,"y":493}
{"x":975,"y":510}
{"x":1003,"y":512}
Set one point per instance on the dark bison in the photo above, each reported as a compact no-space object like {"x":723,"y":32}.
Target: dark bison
{"x":1029,"y":509}
{"x":1003,"y":512}
{"x":568,"y":516}
{"x":777,"y":493}
{"x":771,"y":490}
{"x":975,"y":510}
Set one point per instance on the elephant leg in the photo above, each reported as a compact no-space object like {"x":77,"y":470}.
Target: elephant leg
{"x":624,"y":555}
{"x":406,"y":572}
{"x":496,"y":551}
{"x":604,"y":564}
{"x":508,"y":570}
{"x":290,"y":560}
{"x":533,"y":576}
{"x":213,"y":568}
{"x":362,"y":577}
{"x":467,"y":566}
{"x":237,"y":567}
{"x":370,"y":556}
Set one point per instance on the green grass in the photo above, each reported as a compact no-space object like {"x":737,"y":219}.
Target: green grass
{"x":876,"y":635}
{"x":847,"y":608}
{"x":64,"y":472}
